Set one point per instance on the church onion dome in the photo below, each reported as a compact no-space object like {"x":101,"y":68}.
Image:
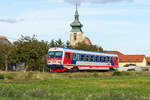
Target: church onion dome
{"x":76,"y":25}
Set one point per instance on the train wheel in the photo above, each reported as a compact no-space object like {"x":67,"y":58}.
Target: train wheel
{"x":111,"y":69}
{"x":75,"y":69}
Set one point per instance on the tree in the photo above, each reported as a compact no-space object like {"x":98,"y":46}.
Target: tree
{"x":4,"y":54}
{"x":52,"y":43}
{"x":148,"y":63}
{"x":60,"y":43}
{"x":31,"y":52}
{"x":84,"y":46}
{"x":68,"y":45}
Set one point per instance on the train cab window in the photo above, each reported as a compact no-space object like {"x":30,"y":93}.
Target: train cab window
{"x":74,"y":56}
{"x":82,"y":57}
{"x":92,"y":58}
{"x":87,"y":58}
{"x":96,"y":59}
{"x":104,"y":59}
{"x":100,"y":59}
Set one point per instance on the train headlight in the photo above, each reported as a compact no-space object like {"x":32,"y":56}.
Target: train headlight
{"x":59,"y":62}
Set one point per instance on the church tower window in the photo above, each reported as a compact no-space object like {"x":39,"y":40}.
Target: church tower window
{"x":75,"y":36}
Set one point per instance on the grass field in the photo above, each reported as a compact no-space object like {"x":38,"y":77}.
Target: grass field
{"x":75,"y":86}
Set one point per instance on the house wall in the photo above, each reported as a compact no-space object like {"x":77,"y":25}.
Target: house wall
{"x":142,"y":64}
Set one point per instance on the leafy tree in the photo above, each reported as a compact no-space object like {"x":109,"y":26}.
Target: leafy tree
{"x":59,"y":43}
{"x":52,"y":44}
{"x":68,"y":45}
{"x":148,"y":63}
{"x":31,"y":52}
{"x":4,"y":55}
{"x":84,"y":46}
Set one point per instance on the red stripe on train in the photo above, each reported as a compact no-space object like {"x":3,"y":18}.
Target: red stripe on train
{"x":90,"y":66}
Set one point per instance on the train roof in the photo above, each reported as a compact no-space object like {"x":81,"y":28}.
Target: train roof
{"x":78,"y":51}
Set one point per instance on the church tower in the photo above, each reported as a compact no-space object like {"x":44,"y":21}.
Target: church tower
{"x":76,"y":34}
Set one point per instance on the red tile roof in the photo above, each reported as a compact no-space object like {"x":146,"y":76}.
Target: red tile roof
{"x":88,"y":40}
{"x":147,"y":59}
{"x":4,"y":40}
{"x":127,"y":58}
{"x":131,"y":58}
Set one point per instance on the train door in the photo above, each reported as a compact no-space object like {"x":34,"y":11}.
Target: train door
{"x":67,"y":58}
{"x":115,"y":61}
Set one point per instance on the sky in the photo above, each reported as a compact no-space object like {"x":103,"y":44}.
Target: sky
{"x":122,"y":25}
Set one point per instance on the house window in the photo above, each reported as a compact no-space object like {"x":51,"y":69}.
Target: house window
{"x":120,"y":59}
{"x":137,"y":59}
{"x":75,"y":36}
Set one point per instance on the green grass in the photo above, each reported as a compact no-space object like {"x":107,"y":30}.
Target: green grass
{"x":75,"y":86}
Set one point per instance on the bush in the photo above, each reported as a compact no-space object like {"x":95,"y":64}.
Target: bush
{"x":9,"y":77}
{"x":1,"y":76}
{"x":127,"y":65}
{"x":117,"y":73}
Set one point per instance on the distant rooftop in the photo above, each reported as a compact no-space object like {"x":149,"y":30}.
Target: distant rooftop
{"x":4,"y":40}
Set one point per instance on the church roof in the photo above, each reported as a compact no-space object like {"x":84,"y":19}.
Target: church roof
{"x":76,"y":24}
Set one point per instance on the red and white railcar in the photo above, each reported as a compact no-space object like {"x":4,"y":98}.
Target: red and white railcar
{"x":63,"y":59}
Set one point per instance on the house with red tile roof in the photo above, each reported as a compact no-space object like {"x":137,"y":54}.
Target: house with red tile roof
{"x":4,"y":40}
{"x":138,"y":60}
{"x":147,"y":59}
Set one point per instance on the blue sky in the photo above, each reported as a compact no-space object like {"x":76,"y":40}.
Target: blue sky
{"x":122,"y":26}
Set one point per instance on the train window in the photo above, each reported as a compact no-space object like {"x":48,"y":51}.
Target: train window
{"x":87,"y":58}
{"x":100,"y":59}
{"x":92,"y":58}
{"x":104,"y":59}
{"x":116,"y":59}
{"x":108,"y":59}
{"x":78,"y":57}
{"x":111,"y":59}
{"x":68,"y":55}
{"x":96,"y":59}
{"x":74,"y":56}
{"x":82,"y":57}
{"x":58,"y":54}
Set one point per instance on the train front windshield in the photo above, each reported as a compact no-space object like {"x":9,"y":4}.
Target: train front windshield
{"x":55,"y":54}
